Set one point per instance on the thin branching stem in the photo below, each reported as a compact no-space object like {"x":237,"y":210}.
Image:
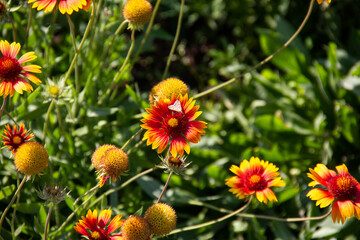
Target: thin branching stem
{"x":212,"y":221}
{"x":47,"y":224}
{"x":131,"y":139}
{"x":165,"y":187}
{"x":11,"y":202}
{"x":176,"y":38}
{"x":232,"y":80}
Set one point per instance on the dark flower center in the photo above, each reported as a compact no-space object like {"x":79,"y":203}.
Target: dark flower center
{"x":255,"y":182}
{"x":343,"y":187}
{"x":9,"y":68}
{"x":175,"y":124}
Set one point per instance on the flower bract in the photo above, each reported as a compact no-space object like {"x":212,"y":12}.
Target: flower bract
{"x":255,"y":177}
{"x":15,"y":136}
{"x":99,"y":228}
{"x":12,"y":73}
{"x":65,"y":6}
{"x":172,"y":121}
{"x":341,"y":189}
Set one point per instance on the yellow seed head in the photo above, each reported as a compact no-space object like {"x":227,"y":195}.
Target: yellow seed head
{"x":167,"y":88}
{"x":161,"y":218}
{"x":137,"y":12}
{"x":114,"y":162}
{"x":135,"y":228}
{"x":31,"y":158}
{"x":97,"y":155}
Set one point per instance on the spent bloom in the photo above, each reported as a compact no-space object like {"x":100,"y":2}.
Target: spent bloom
{"x":98,"y":154}
{"x":95,"y":228}
{"x":341,"y":189}
{"x":53,"y":194}
{"x":161,"y":218}
{"x":65,"y":6}
{"x":172,"y":121}
{"x":167,"y":88}
{"x":137,"y":12}
{"x":135,"y":228}
{"x":174,"y":164}
{"x":31,"y":158}
{"x":113,"y":163}
{"x":255,"y":177}
{"x":12,"y":74}
{"x":15,"y":136}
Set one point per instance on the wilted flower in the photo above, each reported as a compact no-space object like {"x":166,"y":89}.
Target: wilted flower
{"x":53,"y":194}
{"x":174,"y":164}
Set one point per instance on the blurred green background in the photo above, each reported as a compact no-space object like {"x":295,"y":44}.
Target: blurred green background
{"x":300,"y":109}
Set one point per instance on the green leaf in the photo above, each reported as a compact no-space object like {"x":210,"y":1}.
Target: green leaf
{"x":29,"y":208}
{"x":271,"y":123}
{"x":151,"y":186}
{"x":7,"y":191}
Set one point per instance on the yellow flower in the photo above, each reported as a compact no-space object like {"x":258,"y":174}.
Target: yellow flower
{"x":162,"y":219}
{"x":137,"y":12}
{"x":31,"y":158}
{"x":166,"y":88}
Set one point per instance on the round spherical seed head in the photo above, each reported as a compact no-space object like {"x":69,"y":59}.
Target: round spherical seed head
{"x":135,"y":228}
{"x":167,"y":88}
{"x":137,"y":12}
{"x":114,"y":162}
{"x":31,"y":158}
{"x":161,"y":218}
{"x":99,"y":153}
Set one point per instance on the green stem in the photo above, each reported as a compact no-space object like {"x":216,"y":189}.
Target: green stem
{"x":151,"y":23}
{"x":76,"y":210}
{"x":87,"y":30}
{"x":122,"y":185}
{"x":28,"y":26}
{"x":131,"y":139}
{"x":13,"y":27}
{"x":175,"y":39}
{"x":73,"y":38}
{"x":51,"y":106}
{"x":116,"y":78}
{"x":15,"y":208}
{"x":2,"y":107}
{"x":48,"y":221}
{"x":249,"y":215}
{"x":213,"y":221}
{"x":165,"y":186}
{"x":263,"y":61}
{"x":61,"y":126}
{"x":12,"y":201}
{"x":85,"y":194}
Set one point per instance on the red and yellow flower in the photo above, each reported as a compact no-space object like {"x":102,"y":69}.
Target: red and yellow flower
{"x":12,"y":74}
{"x":321,"y":1}
{"x":16,"y":136}
{"x":341,"y":189}
{"x":172,"y":121}
{"x":255,"y":177}
{"x":98,"y":228}
{"x":65,"y":6}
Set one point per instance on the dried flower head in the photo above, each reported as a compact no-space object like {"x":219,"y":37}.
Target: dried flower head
{"x":113,"y":163}
{"x":16,"y":136}
{"x":174,"y":164}
{"x":12,"y":74}
{"x":98,"y":154}
{"x":137,"y":12}
{"x":161,"y":218}
{"x":31,"y":158}
{"x":135,"y":228}
{"x":53,"y":194}
{"x":167,"y":88}
{"x":255,"y":177}
{"x":341,"y":189}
